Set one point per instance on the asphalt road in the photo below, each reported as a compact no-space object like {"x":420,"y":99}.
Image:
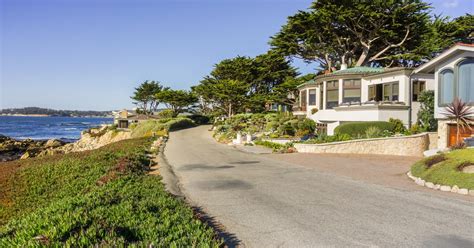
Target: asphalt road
{"x":271,"y":203}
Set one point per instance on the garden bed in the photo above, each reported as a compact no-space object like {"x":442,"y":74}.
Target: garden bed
{"x":447,"y":169}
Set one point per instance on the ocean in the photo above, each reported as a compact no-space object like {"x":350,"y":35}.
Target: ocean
{"x":43,"y":128}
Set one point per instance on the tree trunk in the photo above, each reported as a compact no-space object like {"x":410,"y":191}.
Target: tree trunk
{"x":363,"y":56}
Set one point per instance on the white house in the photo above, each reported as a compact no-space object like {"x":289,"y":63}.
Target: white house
{"x":363,"y":94}
{"x":453,"y":72}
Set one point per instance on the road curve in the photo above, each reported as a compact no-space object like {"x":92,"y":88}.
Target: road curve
{"x":269,"y":203}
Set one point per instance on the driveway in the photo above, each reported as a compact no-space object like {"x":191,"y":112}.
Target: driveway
{"x":268,"y":202}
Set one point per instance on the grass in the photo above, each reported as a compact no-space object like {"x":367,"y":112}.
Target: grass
{"x":96,"y":198}
{"x":446,"y":169}
{"x":161,"y":126}
{"x":276,"y":147}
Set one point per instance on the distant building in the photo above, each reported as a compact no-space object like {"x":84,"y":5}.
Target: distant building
{"x":124,"y":118}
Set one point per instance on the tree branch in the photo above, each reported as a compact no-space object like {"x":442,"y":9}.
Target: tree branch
{"x":376,"y":56}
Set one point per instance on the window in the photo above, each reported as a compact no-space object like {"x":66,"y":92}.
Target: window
{"x":332,"y":94}
{"x":390,"y":91}
{"x":446,"y":87}
{"x":351,"y":90}
{"x":303,"y":100}
{"x":312,"y":97}
{"x":418,"y":87}
{"x":466,"y":81}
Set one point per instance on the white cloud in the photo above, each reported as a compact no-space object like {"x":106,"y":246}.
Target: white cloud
{"x":450,"y":3}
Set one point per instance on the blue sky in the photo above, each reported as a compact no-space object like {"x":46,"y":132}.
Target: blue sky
{"x":89,"y":55}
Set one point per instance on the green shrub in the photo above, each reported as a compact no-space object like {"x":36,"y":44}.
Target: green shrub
{"x":147,"y":128}
{"x":167,"y":113}
{"x":373,"y":132}
{"x":276,"y":147}
{"x":323,"y":138}
{"x":358,"y":129}
{"x":398,"y":125}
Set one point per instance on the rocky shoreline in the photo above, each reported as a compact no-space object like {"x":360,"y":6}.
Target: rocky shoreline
{"x":12,"y":149}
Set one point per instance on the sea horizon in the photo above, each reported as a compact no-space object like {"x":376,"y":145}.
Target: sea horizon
{"x":22,"y":127}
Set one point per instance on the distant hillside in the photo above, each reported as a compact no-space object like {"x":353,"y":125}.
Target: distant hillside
{"x":53,"y":112}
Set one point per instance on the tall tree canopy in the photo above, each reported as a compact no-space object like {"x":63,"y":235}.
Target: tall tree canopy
{"x":176,"y":100}
{"x":244,"y":83}
{"x":380,"y":32}
{"x":145,"y":96}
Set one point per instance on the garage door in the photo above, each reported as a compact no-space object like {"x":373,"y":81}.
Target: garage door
{"x":464,"y":134}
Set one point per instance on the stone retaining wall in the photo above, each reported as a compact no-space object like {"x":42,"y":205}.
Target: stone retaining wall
{"x":413,"y":145}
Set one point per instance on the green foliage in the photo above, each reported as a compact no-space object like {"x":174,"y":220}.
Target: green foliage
{"x":176,"y":100}
{"x":98,"y":198}
{"x":334,"y":32}
{"x":275,"y":146}
{"x":398,"y":125}
{"x":323,"y":138}
{"x":414,"y":129}
{"x":145,"y":96}
{"x":167,"y":113}
{"x":161,"y":126}
{"x":358,"y":129}
{"x":279,"y":124}
{"x":426,"y":117}
{"x":242,"y":83}
{"x":373,"y":132}
{"x":448,"y":171}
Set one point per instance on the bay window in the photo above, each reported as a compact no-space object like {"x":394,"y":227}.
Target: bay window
{"x":390,"y":91}
{"x":466,"y":81}
{"x":332,"y":94}
{"x":312,"y":97}
{"x":446,"y":87}
{"x":351,"y":90}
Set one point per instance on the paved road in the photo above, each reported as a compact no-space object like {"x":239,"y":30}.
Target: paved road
{"x":269,"y":203}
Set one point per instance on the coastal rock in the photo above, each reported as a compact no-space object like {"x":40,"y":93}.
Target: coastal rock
{"x":53,"y":143}
{"x":25,"y":155}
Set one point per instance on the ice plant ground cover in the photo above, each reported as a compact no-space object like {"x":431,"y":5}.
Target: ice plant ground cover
{"x":102,"y":197}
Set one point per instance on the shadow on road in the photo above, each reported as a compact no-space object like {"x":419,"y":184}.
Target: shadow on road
{"x":230,"y":240}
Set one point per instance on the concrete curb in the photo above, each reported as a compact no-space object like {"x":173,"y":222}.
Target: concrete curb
{"x":445,"y":188}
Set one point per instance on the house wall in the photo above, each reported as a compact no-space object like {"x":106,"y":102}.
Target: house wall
{"x":449,"y":63}
{"x":334,"y":117}
{"x":430,"y":85}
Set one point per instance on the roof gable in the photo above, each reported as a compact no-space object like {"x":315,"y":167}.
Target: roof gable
{"x":457,"y":48}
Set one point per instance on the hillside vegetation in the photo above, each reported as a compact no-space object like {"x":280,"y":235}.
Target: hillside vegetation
{"x":95,"y":198}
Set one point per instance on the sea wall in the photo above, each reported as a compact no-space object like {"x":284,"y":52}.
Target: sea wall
{"x":413,"y":145}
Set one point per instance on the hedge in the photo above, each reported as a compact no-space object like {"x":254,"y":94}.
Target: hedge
{"x":355,"y":129}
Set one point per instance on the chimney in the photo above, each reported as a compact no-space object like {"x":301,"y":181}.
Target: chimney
{"x":343,"y":66}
